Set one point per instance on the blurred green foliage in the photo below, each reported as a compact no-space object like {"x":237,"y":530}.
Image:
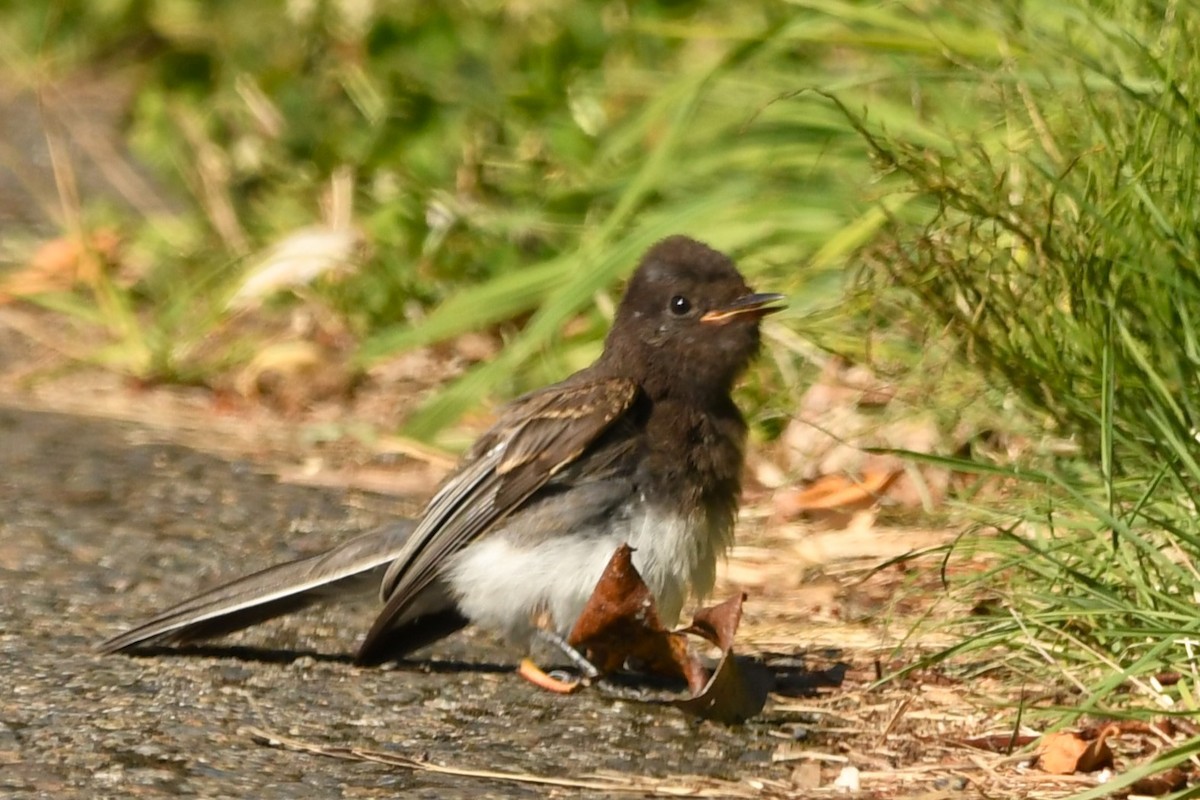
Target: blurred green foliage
{"x":510,"y":159}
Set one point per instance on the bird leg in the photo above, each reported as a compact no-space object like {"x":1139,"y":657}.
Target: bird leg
{"x":538,"y":677}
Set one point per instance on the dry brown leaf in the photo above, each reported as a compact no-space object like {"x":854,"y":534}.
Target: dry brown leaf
{"x":1160,"y":727}
{"x":1059,"y":753}
{"x":1171,"y":780}
{"x":718,"y":624}
{"x":835,"y":492}
{"x":291,"y":375}
{"x":1098,"y":754}
{"x":837,"y":425}
{"x":1066,"y":753}
{"x":739,"y":687}
{"x":59,"y":264}
{"x":1167,"y":678}
{"x":620,"y":623}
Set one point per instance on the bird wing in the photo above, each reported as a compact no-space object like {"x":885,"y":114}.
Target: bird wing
{"x":536,"y":438}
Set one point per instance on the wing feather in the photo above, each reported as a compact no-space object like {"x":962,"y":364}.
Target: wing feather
{"x":539,"y":436}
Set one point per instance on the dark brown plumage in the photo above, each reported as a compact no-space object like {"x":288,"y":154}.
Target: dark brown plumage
{"x":643,"y":447}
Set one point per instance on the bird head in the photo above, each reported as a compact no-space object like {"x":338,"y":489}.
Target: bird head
{"x":688,"y":313}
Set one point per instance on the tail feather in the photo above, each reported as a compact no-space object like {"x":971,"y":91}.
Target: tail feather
{"x":353,"y":567}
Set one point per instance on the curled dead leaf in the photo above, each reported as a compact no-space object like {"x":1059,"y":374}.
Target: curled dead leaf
{"x":739,"y":686}
{"x":1066,"y":753}
{"x":620,"y":624}
{"x":292,"y":375}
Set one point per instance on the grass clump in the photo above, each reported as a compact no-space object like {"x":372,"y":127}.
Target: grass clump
{"x":1064,"y":255}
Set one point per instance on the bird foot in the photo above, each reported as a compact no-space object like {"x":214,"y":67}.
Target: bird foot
{"x":543,"y":680}
{"x":538,"y":677}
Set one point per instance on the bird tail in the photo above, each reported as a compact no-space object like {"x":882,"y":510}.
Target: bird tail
{"x":353,"y":567}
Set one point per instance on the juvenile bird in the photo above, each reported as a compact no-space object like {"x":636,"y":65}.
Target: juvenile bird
{"x":644,"y":447}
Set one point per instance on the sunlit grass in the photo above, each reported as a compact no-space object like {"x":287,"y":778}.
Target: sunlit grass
{"x":1063,"y":253}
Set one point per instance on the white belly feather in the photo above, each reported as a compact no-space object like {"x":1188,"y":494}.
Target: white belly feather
{"x":503,"y":586}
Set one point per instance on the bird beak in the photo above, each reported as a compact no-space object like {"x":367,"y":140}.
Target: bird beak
{"x":754,"y":306}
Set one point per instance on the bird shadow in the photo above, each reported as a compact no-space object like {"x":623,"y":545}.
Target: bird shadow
{"x":269,"y":655}
{"x":792,"y":678}
{"x":786,"y":673}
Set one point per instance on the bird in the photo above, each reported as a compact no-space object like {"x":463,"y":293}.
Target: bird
{"x":644,"y":447}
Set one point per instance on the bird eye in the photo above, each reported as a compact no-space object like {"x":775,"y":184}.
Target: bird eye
{"x":680,"y":305}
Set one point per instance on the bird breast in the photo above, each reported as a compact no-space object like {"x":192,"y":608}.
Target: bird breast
{"x":510,"y":585}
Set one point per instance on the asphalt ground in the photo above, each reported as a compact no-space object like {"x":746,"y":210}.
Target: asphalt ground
{"x":102,"y":523}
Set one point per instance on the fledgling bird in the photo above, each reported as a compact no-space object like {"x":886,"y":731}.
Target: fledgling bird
{"x":643,"y":447}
